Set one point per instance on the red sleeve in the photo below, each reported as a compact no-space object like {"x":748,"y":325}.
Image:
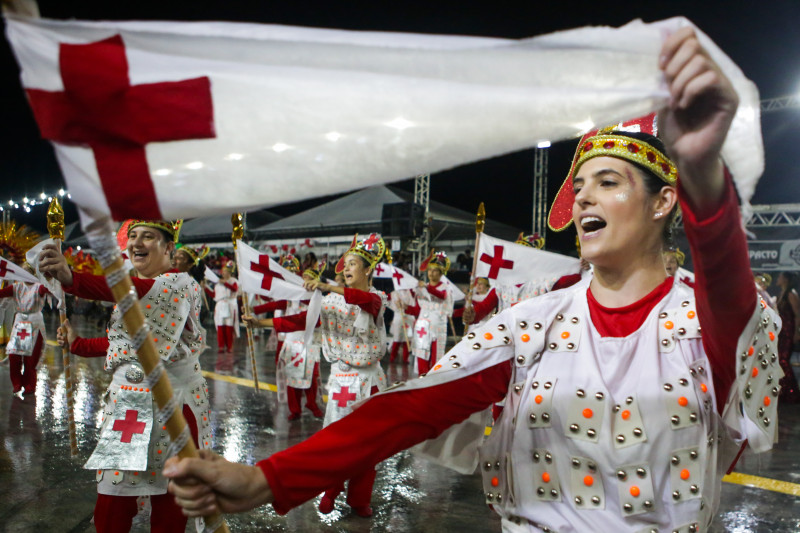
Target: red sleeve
{"x":485,"y":306}
{"x":381,"y":427}
{"x":287,"y":324}
{"x":458,"y":313}
{"x":209,"y":292}
{"x":433,"y":291}
{"x":43,"y":290}
{"x":270,"y":307}
{"x":7,"y":291}
{"x":232,"y":286}
{"x":413,"y":310}
{"x":94,"y":287}
{"x":566,"y":281}
{"x":724,"y":288}
{"x":368,"y":301}
{"x":95,"y":347}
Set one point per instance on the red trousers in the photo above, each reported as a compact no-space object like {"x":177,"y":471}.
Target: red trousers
{"x":22,"y":369}
{"x":225,"y":338}
{"x":114,"y":514}
{"x":396,"y":346}
{"x":359,"y":487}
{"x":294,"y":395}
{"x":424,"y":365}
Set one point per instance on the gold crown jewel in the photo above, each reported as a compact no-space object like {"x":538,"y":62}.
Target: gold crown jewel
{"x":371,"y":249}
{"x":630,"y":149}
{"x":290,"y":262}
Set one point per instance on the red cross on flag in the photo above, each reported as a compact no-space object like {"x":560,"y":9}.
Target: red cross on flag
{"x":168,"y":120}
{"x":12,"y":272}
{"x":260,"y":274}
{"x":400,"y":278}
{"x":508,"y":263}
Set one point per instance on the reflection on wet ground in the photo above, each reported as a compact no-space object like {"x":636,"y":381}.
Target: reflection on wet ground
{"x":42,"y":489}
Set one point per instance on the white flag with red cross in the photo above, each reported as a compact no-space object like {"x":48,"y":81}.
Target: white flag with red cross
{"x":12,"y":272}
{"x":169,"y":120}
{"x":260,"y":274}
{"x":508,"y":263}
{"x":400,"y":278}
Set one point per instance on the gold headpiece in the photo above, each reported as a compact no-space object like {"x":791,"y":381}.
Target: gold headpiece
{"x":194,"y":254}
{"x":628,"y":148}
{"x":438,"y":259}
{"x":315,"y":271}
{"x":290,"y":262}
{"x":371,"y":249}
{"x":15,"y":241}
{"x":170,"y":227}
{"x":533,"y":241}
{"x":613,"y":142}
{"x":679,"y":256}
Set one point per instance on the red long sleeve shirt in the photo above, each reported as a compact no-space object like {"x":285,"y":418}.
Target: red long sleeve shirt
{"x":269,"y":307}
{"x":93,"y":287}
{"x":95,"y":347}
{"x":368,"y":301}
{"x":8,"y":291}
{"x":394,"y":422}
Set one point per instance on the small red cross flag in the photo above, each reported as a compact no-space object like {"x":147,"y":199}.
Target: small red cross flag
{"x":400,"y":278}
{"x":260,"y":274}
{"x":171,"y":120}
{"x":508,"y":263}
{"x":12,"y":272}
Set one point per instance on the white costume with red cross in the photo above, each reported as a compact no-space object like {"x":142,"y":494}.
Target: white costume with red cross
{"x":431,"y":324}
{"x":134,"y":443}
{"x":609,"y":433}
{"x":28,"y":322}
{"x":354,"y":343}
{"x":296,"y":360}
{"x":226,"y":310}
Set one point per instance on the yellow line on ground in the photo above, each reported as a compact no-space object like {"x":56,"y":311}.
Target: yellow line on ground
{"x":244,"y":382}
{"x":51,"y":342}
{"x":239,"y":381}
{"x":763,"y":483}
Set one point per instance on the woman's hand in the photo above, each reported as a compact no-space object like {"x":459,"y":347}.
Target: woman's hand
{"x":65,"y":335}
{"x":210,"y":484}
{"x":469,"y":315}
{"x":315,"y":284}
{"x":53,"y":264}
{"x":421,"y":284}
{"x":694,"y":125}
{"x":251,"y":321}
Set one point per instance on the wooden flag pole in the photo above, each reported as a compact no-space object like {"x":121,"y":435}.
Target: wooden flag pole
{"x":55,"y":227}
{"x":102,"y":241}
{"x":236,"y":235}
{"x":480,"y":223}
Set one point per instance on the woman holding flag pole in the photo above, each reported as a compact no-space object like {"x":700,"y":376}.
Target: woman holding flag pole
{"x":623,"y":412}
{"x":353,"y":340}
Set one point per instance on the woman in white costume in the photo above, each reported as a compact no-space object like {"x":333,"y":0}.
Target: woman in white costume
{"x":620,"y":416}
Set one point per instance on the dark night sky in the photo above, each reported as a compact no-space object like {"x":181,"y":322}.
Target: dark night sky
{"x":763,"y":41}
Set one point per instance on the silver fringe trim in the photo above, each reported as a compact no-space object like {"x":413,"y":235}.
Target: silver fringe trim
{"x":138,"y":339}
{"x":166,"y":412}
{"x":106,"y":247}
{"x":128,"y":301}
{"x":152,"y":378}
{"x":112,"y":278}
{"x":178,"y":444}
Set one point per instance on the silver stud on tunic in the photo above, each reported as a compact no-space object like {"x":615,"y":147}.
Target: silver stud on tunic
{"x":595,"y":500}
{"x":523,"y":325}
{"x":574,"y":428}
{"x":676,"y":495}
{"x":570,"y":346}
{"x":628,"y":508}
{"x":537,"y":326}
{"x":622,"y":475}
{"x":675,"y":420}
{"x":580,"y":393}
{"x":578,"y":500}
{"x":667,"y":387}
{"x":559,"y":317}
{"x":521,"y":359}
{"x":553,"y":346}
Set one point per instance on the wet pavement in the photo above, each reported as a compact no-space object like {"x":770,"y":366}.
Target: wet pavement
{"x":42,"y":489}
